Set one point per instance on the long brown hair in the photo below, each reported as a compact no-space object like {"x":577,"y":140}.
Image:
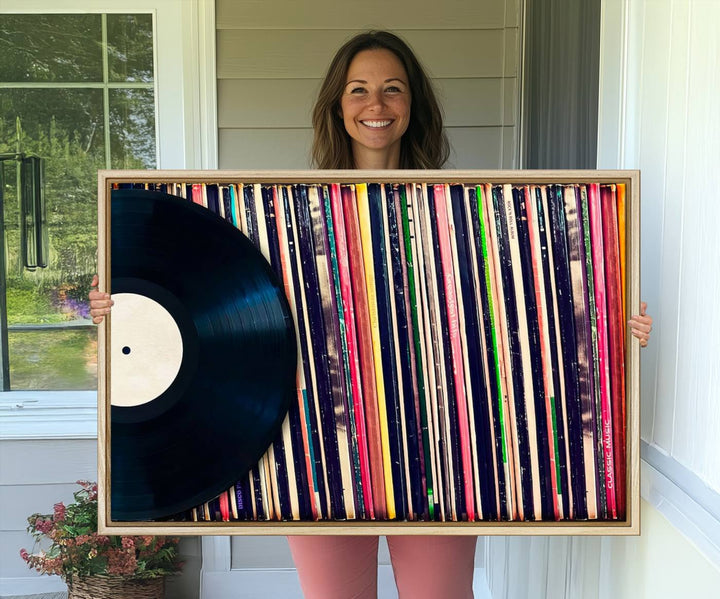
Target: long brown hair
{"x":424,"y":144}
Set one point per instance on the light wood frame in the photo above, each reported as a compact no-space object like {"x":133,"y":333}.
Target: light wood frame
{"x":630,"y":526}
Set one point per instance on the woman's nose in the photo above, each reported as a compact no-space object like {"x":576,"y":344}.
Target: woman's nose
{"x":375,"y":99}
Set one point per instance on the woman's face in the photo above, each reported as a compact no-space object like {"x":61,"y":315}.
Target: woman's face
{"x":375,"y":107}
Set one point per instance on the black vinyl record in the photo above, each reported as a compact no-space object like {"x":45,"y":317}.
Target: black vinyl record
{"x":236,"y":368}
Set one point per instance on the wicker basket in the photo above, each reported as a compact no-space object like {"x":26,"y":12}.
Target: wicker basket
{"x":116,"y":587}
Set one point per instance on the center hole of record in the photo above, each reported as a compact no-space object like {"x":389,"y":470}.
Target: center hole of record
{"x":126,"y":350}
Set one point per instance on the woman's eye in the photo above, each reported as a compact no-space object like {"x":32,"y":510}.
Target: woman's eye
{"x":393,"y":89}
{"x":357,"y":90}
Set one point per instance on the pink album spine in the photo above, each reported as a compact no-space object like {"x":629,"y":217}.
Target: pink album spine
{"x":598,"y":249}
{"x":197,"y":194}
{"x":364,"y":351}
{"x":455,"y":345}
{"x":224,"y":507}
{"x":348,"y":307}
{"x":609,"y":341}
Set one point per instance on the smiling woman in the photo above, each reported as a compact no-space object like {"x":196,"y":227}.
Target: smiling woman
{"x":375,"y":108}
{"x":374,"y":78}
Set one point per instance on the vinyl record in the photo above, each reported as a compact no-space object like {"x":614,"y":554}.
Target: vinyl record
{"x":228,"y":385}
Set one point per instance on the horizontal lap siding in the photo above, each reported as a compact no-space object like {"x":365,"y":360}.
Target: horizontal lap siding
{"x":271,"y":58}
{"x":34,"y":475}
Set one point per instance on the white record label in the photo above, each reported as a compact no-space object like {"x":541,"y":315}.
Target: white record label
{"x":145,"y":350}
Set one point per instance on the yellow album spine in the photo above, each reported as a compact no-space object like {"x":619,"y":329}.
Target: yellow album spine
{"x":366,"y":236}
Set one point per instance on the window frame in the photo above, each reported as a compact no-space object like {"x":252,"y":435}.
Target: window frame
{"x":186,"y":134}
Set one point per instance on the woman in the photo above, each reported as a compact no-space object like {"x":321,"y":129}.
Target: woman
{"x":377,"y":110}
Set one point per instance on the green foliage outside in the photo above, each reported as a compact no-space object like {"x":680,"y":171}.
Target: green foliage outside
{"x":66,"y":127}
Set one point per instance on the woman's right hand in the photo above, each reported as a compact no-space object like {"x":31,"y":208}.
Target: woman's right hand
{"x":100,"y":302}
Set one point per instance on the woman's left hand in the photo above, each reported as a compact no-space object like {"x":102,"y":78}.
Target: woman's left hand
{"x":641,"y":325}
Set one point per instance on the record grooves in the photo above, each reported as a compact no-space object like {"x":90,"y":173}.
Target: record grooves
{"x":237,"y":375}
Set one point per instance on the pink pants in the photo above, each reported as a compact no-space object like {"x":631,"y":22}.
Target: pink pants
{"x":345,"y":567}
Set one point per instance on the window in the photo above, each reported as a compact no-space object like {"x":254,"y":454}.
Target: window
{"x":78,"y":91}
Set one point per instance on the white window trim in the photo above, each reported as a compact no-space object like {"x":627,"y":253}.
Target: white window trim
{"x":683,"y":498}
{"x":186,"y":125}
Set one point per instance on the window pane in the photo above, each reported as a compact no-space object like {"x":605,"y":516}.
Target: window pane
{"x":130,"y":47}
{"x":37,"y":48}
{"x":52,"y":119}
{"x":53,"y":359}
{"x":65,"y":128}
{"x":132,"y":128}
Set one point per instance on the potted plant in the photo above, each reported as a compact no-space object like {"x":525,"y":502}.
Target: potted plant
{"x":96,"y":566}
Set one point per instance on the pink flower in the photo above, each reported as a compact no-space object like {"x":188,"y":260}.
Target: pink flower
{"x":121,"y":562}
{"x":43,"y":526}
{"x":24,"y":555}
{"x":59,"y":509}
{"x":128,"y":543}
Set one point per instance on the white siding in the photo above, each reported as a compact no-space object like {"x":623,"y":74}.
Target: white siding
{"x":34,"y":475}
{"x":271,"y":58}
{"x":671,"y":131}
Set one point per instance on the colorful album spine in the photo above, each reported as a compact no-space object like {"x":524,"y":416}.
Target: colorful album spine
{"x":522,"y":364}
{"x":402,"y":333}
{"x":596,"y":227}
{"x":573,"y":215}
{"x":436,"y":494}
{"x":434,"y":347}
{"x":450,"y":407}
{"x":454,"y":328}
{"x":283,"y":495}
{"x":492,"y":213}
{"x":386,"y":320}
{"x":568,"y":348}
{"x":365,"y":350}
{"x":404,"y":206}
{"x":198,"y":197}
{"x":620,"y":188}
{"x":326,"y":264}
{"x":394,"y":320}
{"x":533,"y":226}
{"x":235,"y":205}
{"x":547,"y":492}
{"x":479,"y":253}
{"x":468,"y":335}
{"x":324,"y":407}
{"x":616,"y":337}
{"x":300,"y":486}
{"x":304,"y":258}
{"x":552,"y":340}
{"x":212,"y":197}
{"x":369,"y":264}
{"x":595,"y":361}
{"x":339,"y":328}
{"x":481,"y":433}
{"x":309,"y":410}
{"x":349,"y":336}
